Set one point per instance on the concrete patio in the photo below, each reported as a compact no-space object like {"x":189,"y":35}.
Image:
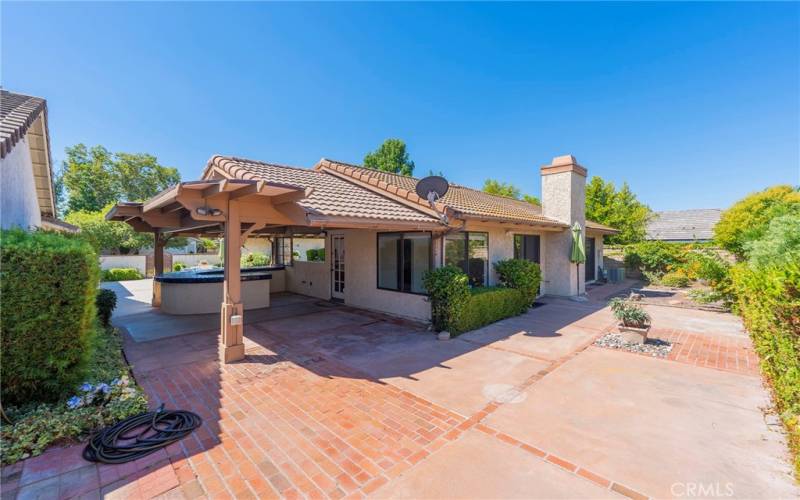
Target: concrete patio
{"x":338,"y":402}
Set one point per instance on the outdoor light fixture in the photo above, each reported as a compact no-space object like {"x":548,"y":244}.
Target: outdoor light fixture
{"x":208,"y":211}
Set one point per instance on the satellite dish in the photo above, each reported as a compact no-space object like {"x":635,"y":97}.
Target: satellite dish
{"x":432,"y":188}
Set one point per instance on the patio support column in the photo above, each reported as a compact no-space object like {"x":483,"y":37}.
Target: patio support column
{"x":158,"y":267}
{"x":231,"y":342}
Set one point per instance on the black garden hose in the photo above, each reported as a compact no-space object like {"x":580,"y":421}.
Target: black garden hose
{"x":140,"y":435}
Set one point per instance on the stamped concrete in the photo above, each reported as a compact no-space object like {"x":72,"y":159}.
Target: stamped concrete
{"x":479,"y":466}
{"x":333,"y":402}
{"x":655,"y":425}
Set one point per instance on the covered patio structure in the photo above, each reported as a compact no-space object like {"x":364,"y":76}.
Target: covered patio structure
{"x":233,"y":208}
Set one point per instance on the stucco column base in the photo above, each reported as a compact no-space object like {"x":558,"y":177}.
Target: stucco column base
{"x":156,"y":299}
{"x":231,"y":339}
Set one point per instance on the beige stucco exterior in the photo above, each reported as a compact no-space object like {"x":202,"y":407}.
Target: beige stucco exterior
{"x":19,"y":205}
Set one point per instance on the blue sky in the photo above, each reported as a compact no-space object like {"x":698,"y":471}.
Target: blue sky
{"x":694,"y":105}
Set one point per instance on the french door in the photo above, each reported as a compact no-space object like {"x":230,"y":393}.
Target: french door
{"x":591,"y":267}
{"x":337,"y":267}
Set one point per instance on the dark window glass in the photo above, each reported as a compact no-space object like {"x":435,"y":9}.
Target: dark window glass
{"x":403,"y":259}
{"x":282,"y":251}
{"x":470,"y":252}
{"x":527,"y":246}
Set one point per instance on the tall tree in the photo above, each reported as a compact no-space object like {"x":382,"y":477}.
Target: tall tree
{"x":748,"y":219}
{"x":508,"y":190}
{"x":93,"y":178}
{"x":392,"y":157}
{"x":619,"y":209}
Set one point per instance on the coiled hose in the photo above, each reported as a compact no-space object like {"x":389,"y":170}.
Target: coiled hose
{"x":140,"y":435}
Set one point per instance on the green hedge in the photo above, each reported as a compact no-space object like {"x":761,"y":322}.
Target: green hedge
{"x":48,"y":282}
{"x":457,"y":308}
{"x":768,"y":298}
{"x":315,"y":255}
{"x":121,"y":274}
{"x":490,"y":304}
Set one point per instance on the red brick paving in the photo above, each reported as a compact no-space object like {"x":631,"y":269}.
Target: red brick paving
{"x":277,"y":428}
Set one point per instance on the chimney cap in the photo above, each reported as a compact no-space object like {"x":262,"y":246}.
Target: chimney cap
{"x":564,"y":163}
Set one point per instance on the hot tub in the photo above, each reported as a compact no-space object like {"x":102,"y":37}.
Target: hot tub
{"x":199,"y":291}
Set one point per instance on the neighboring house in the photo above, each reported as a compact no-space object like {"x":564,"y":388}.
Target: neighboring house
{"x":379,"y":236}
{"x":26,"y":176}
{"x":684,"y":226}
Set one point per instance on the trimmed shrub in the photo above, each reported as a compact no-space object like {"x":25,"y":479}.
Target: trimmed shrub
{"x":315,"y":255}
{"x":254,"y":260}
{"x":676,"y":279}
{"x":178,"y":266}
{"x":768,"y":299}
{"x":48,"y":282}
{"x":121,"y":274}
{"x":524,"y":275}
{"x":490,"y":304}
{"x":448,"y":292}
{"x":106,"y":302}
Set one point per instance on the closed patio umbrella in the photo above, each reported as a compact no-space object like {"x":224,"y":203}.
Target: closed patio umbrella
{"x":577,"y":253}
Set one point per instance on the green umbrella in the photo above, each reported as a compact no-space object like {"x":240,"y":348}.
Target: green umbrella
{"x":577,"y":254}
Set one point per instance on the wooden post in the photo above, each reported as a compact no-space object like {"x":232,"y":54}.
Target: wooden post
{"x":231,"y":342}
{"x":158,"y":267}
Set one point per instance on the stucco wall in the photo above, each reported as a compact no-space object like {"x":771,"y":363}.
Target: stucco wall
{"x":137,"y":262}
{"x":361,"y":288}
{"x":194,"y":259}
{"x":310,"y":278}
{"x":563,"y":199}
{"x":278,"y":281}
{"x":19,"y":205}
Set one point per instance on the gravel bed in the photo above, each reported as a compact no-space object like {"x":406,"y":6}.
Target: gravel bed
{"x":656,"y":348}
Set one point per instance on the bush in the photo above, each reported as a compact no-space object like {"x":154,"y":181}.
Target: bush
{"x":48,"y":282}
{"x":315,"y":255}
{"x":780,"y":244}
{"x":121,"y":274}
{"x":106,"y":302}
{"x":524,"y":275}
{"x":629,"y":313}
{"x":768,"y":298}
{"x":676,"y":279}
{"x":655,"y":257}
{"x":107,"y":396}
{"x":748,"y":219}
{"x":448,"y":292}
{"x":254,"y":260}
{"x":178,"y":266}
{"x":490,"y":304}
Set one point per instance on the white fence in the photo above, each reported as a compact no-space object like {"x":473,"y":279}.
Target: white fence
{"x":194,"y":259}
{"x":138,"y":262}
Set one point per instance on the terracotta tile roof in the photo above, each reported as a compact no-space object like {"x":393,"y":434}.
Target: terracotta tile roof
{"x":590,"y":224}
{"x":464,"y":201}
{"x":331,"y":195}
{"x":17,"y":113}
{"x":684,"y":225}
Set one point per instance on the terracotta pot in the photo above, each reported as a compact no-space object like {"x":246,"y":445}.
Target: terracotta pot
{"x":633,"y":335}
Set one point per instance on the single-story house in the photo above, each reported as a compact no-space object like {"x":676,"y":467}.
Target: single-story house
{"x":28,"y":199}
{"x":379,"y":236}
{"x":684,"y":226}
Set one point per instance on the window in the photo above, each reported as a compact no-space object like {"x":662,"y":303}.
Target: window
{"x":282,"y":251}
{"x":470,"y":252}
{"x":403,"y":258}
{"x":308,"y":249}
{"x":527,"y":246}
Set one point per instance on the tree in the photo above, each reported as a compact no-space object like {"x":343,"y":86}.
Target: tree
{"x":93,"y":178}
{"x":498,"y":188}
{"x":619,"y":209}
{"x":392,"y":157}
{"x":779,"y":246}
{"x":748,"y":219}
{"x":108,"y":236}
{"x":508,"y":190}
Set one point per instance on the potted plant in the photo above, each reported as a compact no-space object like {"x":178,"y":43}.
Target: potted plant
{"x":634,"y":322}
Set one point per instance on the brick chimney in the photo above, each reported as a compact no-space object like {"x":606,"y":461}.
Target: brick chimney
{"x":563,"y":199}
